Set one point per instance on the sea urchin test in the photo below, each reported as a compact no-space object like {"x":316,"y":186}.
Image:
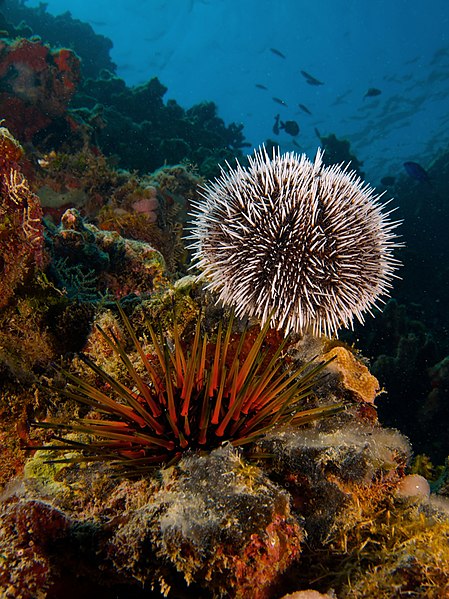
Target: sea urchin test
{"x":307,"y":245}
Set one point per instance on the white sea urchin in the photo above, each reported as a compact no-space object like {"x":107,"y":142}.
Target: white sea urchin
{"x":298,"y":242}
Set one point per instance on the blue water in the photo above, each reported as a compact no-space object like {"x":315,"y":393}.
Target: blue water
{"x":219,"y":49}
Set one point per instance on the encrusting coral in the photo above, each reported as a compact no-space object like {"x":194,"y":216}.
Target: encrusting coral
{"x":217,"y":520}
{"x":21,"y":231}
{"x":211,"y":522}
{"x":339,"y":487}
{"x":151,"y":208}
{"x":37,"y":85}
{"x":357,"y":379}
{"x":368,"y":536}
{"x":84,"y":257}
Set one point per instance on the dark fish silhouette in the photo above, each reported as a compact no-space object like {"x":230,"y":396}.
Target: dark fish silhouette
{"x":260,"y":86}
{"x":277,"y":52}
{"x":290,"y":127}
{"x":279,"y":101}
{"x":310,"y":79}
{"x":416,"y":171}
{"x":341,"y":99}
{"x":304,"y":108}
{"x":373,"y":91}
{"x":388,"y":181}
{"x":317,"y":133}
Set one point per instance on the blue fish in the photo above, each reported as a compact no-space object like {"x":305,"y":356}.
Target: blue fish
{"x":279,"y":101}
{"x":310,"y":79}
{"x":373,"y":91}
{"x":277,"y":52}
{"x":416,"y":171}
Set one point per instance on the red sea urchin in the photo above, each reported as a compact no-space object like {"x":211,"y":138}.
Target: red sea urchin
{"x":178,"y":398}
{"x":298,"y":241}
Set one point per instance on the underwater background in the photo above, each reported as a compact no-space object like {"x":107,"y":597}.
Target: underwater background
{"x":115,"y":114}
{"x":221,"y":50}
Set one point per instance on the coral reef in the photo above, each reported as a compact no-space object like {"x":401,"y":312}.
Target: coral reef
{"x":60,"y":30}
{"x":332,"y":509}
{"x":338,"y":151}
{"x":325,"y":470}
{"x":218,"y":522}
{"x":154,"y":209}
{"x":80,"y":179}
{"x":372,"y":541}
{"x":37,"y":84}
{"x":402,"y":350}
{"x":208,"y":516}
{"x":399,"y":547}
{"x":341,"y":487}
{"x":88,"y":262}
{"x":178,"y":529}
{"x":408,"y":342}
{"x":161,"y":133}
{"x":30,"y":530}
{"x":151,"y":208}
{"x":21,"y":232}
{"x":355,"y":376}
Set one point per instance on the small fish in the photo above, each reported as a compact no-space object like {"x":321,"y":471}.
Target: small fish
{"x":295,"y":143}
{"x":290,"y":127}
{"x":277,"y":52}
{"x":276,"y":124}
{"x":260,"y":86}
{"x":317,"y":133}
{"x":310,"y":79}
{"x":304,"y":108}
{"x":279,"y":101}
{"x":341,"y":99}
{"x":416,"y":171}
{"x":388,"y":181}
{"x":373,"y":91}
